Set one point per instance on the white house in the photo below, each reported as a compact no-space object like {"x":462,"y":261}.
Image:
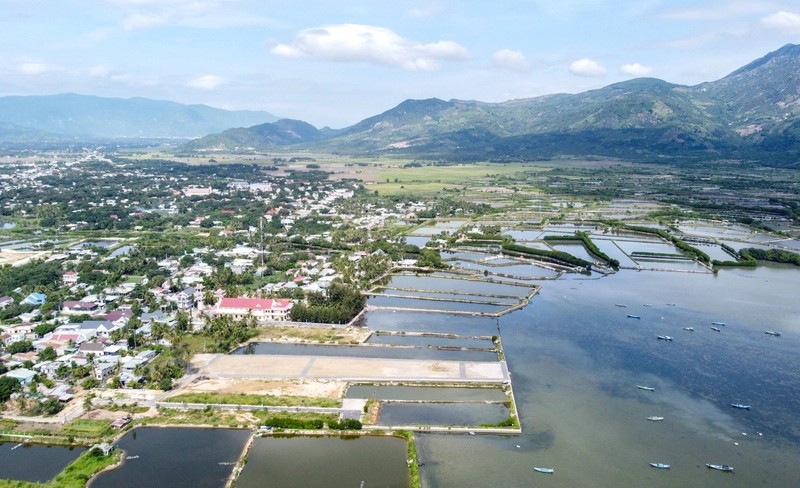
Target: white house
{"x":264,"y":310}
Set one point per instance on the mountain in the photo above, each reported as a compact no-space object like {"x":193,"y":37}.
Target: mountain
{"x":82,"y":116}
{"x":260,"y":137}
{"x":751,"y":114}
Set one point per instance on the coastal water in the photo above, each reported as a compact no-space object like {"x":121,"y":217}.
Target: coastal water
{"x":34,"y":462}
{"x":170,"y":457}
{"x":330,"y":462}
{"x":575,"y":360}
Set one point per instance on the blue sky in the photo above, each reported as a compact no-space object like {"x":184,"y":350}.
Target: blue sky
{"x":336,"y":62}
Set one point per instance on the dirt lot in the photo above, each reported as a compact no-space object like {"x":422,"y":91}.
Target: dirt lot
{"x":312,"y":388}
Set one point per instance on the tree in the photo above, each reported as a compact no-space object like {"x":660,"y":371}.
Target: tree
{"x":48,"y":354}
{"x":7,"y":387}
{"x":51,"y":406}
{"x":19,"y":346}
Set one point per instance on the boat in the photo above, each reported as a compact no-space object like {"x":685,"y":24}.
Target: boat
{"x":740,"y":406}
{"x":715,"y":329}
{"x":689,"y":329}
{"x":721,"y":467}
{"x":544,"y":470}
{"x":772,"y":333}
{"x":718,"y":323}
{"x":655,"y":419}
{"x":670,"y":304}
{"x":16,"y":447}
{"x":647,"y":305}
{"x":660,"y":465}
{"x":620,"y":305}
{"x":665,"y":338}
{"x":132,"y":457}
{"x":471,"y":433}
{"x":634,"y":316}
{"x":645,"y":388}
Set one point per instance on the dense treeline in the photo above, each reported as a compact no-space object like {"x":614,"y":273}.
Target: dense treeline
{"x":36,"y":275}
{"x":590,"y":246}
{"x":558,"y":256}
{"x":685,"y":248}
{"x":339,"y":305}
{"x":742,"y":258}
{"x":772,"y":255}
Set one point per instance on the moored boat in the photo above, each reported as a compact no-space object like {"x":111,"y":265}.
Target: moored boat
{"x":740,"y":406}
{"x":655,"y":419}
{"x":634,"y":316}
{"x":721,"y":467}
{"x":772,"y":333}
{"x":621,"y":305}
{"x":715,"y":329}
{"x":660,"y":465}
{"x":544,"y":470}
{"x":689,"y":329}
{"x":718,"y":323}
{"x":645,"y":388}
{"x":665,"y":338}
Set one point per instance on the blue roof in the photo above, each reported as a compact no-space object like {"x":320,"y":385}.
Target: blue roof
{"x":35,"y":299}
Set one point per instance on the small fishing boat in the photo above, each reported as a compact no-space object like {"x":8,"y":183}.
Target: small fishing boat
{"x":715,"y":329}
{"x":660,"y":465}
{"x":655,"y":419}
{"x":16,"y":447}
{"x":620,"y":305}
{"x":721,"y":467}
{"x":647,"y":305}
{"x":132,"y":457}
{"x":718,"y":323}
{"x":645,"y":388}
{"x":544,"y":470}
{"x":670,"y":304}
{"x":772,"y":333}
{"x":471,"y":433}
{"x":634,"y":316}
{"x":740,"y":406}
{"x":689,"y":329}
{"x":665,"y":338}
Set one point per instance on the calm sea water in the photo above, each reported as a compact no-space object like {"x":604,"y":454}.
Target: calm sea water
{"x":575,"y":360}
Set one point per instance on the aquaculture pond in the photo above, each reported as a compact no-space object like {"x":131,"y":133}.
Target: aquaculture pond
{"x":326,"y":462}
{"x":430,"y":341}
{"x":433,"y":305}
{"x":397,"y":414}
{"x":529,"y":271}
{"x":443,"y":296}
{"x":365,"y":352}
{"x":427,"y":393}
{"x":34,"y":462}
{"x":170,"y":457}
{"x":454,"y":285}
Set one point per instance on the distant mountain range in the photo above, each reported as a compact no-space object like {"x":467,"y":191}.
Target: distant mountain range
{"x":753,"y":113}
{"x":66,"y":117}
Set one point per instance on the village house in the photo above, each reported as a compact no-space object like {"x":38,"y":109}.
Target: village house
{"x":6,"y":301}
{"x":70,"y":278}
{"x":71,"y":307}
{"x":263,"y":310}
{"x":24,"y":376}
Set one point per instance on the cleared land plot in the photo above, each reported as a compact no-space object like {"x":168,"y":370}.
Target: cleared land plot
{"x":352,"y":369}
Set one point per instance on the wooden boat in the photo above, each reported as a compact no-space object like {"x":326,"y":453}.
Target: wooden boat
{"x":689,"y":329}
{"x":634,"y":316}
{"x":740,"y":406}
{"x":721,"y":467}
{"x":645,"y":388}
{"x":715,"y":329}
{"x":655,"y":419}
{"x":772,"y":333}
{"x":620,"y":305}
{"x":660,"y":465}
{"x":718,"y":323}
{"x":665,"y":338}
{"x":544,"y":470}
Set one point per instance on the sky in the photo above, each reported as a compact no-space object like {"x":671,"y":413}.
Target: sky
{"x":335,"y":62}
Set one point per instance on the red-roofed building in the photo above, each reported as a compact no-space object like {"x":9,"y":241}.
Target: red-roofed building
{"x":70,"y":278}
{"x":264,"y":310}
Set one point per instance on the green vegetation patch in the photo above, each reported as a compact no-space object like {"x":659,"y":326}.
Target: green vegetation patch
{"x":87,"y":428}
{"x":247,"y":399}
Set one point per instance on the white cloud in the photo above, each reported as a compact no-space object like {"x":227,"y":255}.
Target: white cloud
{"x":206,"y":82}
{"x":429,"y":9}
{"x":33,"y":68}
{"x":636,"y":69}
{"x":510,"y":60}
{"x":586,"y":67}
{"x":782,"y":20}
{"x":142,"y":21}
{"x":370,"y":44}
